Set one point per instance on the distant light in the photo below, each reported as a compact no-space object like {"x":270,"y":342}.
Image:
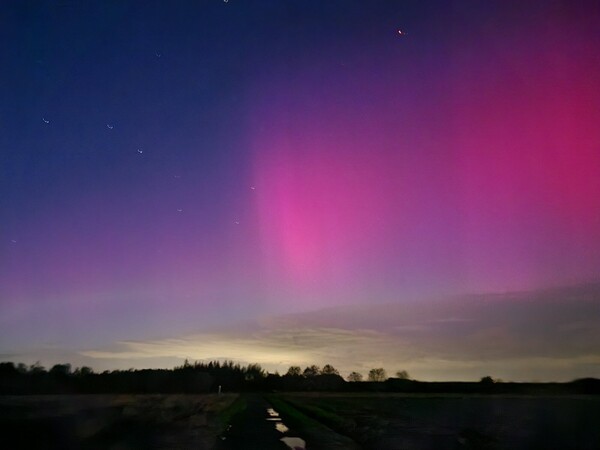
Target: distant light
{"x":252,"y":187}
{"x":140,"y":151}
{"x":45,"y":121}
{"x":109,"y":126}
{"x":179,"y":210}
{"x":401,"y":33}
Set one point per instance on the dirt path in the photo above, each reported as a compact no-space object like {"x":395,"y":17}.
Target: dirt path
{"x":255,"y":428}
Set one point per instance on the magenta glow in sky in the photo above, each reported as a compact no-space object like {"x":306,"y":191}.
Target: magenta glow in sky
{"x":475,"y":162}
{"x":294,"y":156}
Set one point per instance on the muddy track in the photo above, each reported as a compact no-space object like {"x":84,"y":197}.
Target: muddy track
{"x":255,"y":428}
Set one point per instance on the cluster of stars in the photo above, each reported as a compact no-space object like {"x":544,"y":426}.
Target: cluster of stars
{"x":140,"y":151}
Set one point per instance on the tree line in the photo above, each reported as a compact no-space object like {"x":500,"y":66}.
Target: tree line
{"x":228,"y":376}
{"x":194,"y":377}
{"x":374,"y":375}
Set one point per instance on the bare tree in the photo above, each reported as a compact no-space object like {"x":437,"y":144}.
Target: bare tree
{"x":403,"y":375}
{"x":377,"y":374}
{"x":328,"y":369}
{"x":355,"y":376}
{"x":312,"y":371}
{"x":294,"y":371}
{"x":37,"y":368}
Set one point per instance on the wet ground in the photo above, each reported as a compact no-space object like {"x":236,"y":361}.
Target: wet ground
{"x":259,"y":426}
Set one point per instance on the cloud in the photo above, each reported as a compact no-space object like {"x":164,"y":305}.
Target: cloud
{"x":551,"y":334}
{"x":264,"y":346}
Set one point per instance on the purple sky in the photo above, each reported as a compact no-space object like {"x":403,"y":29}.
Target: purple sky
{"x":174,"y":170}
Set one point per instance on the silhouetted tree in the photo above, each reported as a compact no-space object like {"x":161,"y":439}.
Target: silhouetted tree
{"x":83,"y":371}
{"x":294,"y":371}
{"x":61,"y":370}
{"x":328,"y":369}
{"x":355,"y":376}
{"x":377,"y":374}
{"x":312,"y":371}
{"x":403,"y":375}
{"x":8,"y":369}
{"x":254,"y":372}
{"x":207,"y":376}
{"x":37,"y":368}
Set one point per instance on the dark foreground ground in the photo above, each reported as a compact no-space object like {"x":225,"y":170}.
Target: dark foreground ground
{"x":401,"y":421}
{"x":306,"y":420}
{"x":112,"y":421}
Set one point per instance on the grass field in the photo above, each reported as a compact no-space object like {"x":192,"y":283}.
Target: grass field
{"x":395,"y":421}
{"x":113,"y":421}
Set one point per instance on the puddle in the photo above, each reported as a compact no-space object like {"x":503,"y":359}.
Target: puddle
{"x":280,"y":426}
{"x":294,"y":443}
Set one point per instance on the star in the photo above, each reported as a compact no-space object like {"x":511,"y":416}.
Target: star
{"x":140,"y":151}
{"x":109,"y":126}
{"x":179,"y":210}
{"x":237,"y":222}
{"x":401,"y":33}
{"x":45,"y":121}
{"x":253,"y":188}
{"x":158,"y":55}
{"x":13,"y":241}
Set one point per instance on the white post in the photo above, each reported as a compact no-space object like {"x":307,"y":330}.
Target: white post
{"x":219,"y":389}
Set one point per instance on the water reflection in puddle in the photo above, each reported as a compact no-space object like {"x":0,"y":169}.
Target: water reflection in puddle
{"x":281,"y":427}
{"x":295,"y":443}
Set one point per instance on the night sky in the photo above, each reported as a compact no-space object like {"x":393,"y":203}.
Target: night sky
{"x":213,"y":179}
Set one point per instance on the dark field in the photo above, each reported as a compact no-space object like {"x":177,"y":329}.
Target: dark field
{"x":330,"y":421}
{"x":400,"y":421}
{"x":112,"y":421}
